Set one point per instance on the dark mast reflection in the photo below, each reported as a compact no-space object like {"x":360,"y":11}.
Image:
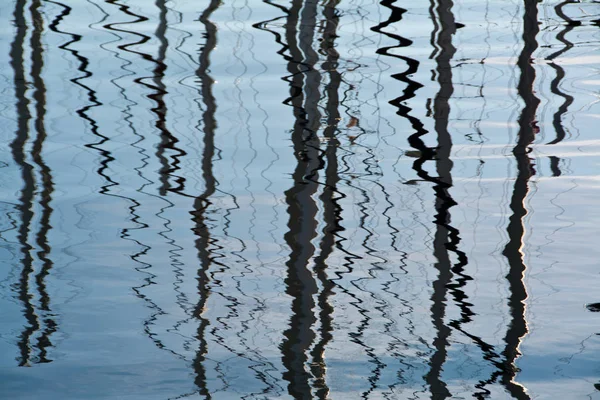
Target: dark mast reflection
{"x":446,"y":237}
{"x":39,"y":96}
{"x":27,"y":175}
{"x":168,"y":140}
{"x":202,"y":202}
{"x":516,"y":228}
{"x":302,"y":209}
{"x":34,"y":321}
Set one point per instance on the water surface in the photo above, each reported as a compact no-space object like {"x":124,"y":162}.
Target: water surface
{"x":299,"y":199}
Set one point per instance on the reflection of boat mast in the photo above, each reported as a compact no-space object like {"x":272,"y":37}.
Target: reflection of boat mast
{"x":202,"y":202}
{"x":302,"y":208}
{"x":39,"y":97}
{"x":27,"y":192}
{"x":516,"y":228}
{"x":34,"y":321}
{"x":446,"y":237}
{"x":168,"y":140}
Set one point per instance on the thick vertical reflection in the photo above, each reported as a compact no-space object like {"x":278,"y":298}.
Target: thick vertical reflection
{"x":302,"y":210}
{"x":446,"y":237}
{"x":516,"y":226}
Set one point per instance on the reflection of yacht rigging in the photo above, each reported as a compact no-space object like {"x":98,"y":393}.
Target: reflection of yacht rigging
{"x":555,"y":85}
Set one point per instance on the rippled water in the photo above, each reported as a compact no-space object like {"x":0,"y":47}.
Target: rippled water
{"x":299,"y":199}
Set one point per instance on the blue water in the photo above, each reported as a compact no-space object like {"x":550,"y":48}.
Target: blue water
{"x":299,"y":199}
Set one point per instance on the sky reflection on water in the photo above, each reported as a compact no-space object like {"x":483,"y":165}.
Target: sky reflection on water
{"x":299,"y":199}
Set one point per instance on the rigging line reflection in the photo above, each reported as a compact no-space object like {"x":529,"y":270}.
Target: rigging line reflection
{"x":516,"y":227}
{"x":39,"y":96}
{"x":409,"y":92}
{"x":569,"y":25}
{"x":411,"y":86}
{"x":82,"y":64}
{"x":27,"y":175}
{"x":164,"y":172}
{"x":204,"y":242}
{"x":136,"y":205}
{"x":241,"y":270}
{"x":168,"y":140}
{"x":302,"y":209}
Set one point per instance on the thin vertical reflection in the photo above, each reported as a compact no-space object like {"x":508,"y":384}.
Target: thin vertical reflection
{"x":27,"y":175}
{"x":302,"y":209}
{"x":202,"y":202}
{"x":329,"y":197}
{"x":168,"y":140}
{"x":39,"y":96}
{"x":516,"y":226}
